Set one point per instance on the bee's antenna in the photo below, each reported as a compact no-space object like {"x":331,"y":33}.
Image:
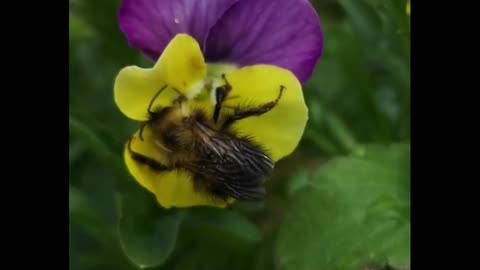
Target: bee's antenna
{"x":154,"y":98}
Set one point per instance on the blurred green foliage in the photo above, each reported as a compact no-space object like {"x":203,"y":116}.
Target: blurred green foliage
{"x":354,"y":210}
{"x":341,"y":201}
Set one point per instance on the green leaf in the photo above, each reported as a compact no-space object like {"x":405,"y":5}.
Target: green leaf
{"x":113,"y":159}
{"x":298,"y":182}
{"x":82,"y":213}
{"x":354,"y":211}
{"x":210,"y":254}
{"x":94,"y":143}
{"x":212,"y":239}
{"x":92,"y":240}
{"x":148,"y":233}
{"x":75,"y":151}
{"x":223,"y":225}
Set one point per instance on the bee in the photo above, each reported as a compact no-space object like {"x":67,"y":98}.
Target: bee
{"x":222,"y":163}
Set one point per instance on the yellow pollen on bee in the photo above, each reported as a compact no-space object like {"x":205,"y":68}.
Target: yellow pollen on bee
{"x":195,"y":90}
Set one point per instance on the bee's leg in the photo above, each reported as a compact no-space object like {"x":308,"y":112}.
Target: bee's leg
{"x":154,"y":98}
{"x":140,"y":134}
{"x":153,"y":164}
{"x":226,"y":81}
{"x":221,"y":93}
{"x":244,"y":113}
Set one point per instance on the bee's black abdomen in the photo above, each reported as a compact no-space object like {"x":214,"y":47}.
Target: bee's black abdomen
{"x":233,"y":167}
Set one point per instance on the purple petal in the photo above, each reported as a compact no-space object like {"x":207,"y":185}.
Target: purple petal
{"x":285,"y":33}
{"x":150,"y":24}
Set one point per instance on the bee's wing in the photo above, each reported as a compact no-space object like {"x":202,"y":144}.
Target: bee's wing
{"x":234,"y":166}
{"x":229,"y":180}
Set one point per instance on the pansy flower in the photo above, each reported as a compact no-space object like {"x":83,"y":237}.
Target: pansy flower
{"x":261,"y":49}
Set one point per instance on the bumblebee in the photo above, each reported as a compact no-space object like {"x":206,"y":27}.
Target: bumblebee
{"x":222,"y":163}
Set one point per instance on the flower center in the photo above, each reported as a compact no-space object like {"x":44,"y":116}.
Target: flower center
{"x":213,"y":80}
{"x":217,"y":69}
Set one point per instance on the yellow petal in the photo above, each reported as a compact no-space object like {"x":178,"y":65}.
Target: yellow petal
{"x":181,"y":66}
{"x":172,"y":188}
{"x":280,"y":129}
